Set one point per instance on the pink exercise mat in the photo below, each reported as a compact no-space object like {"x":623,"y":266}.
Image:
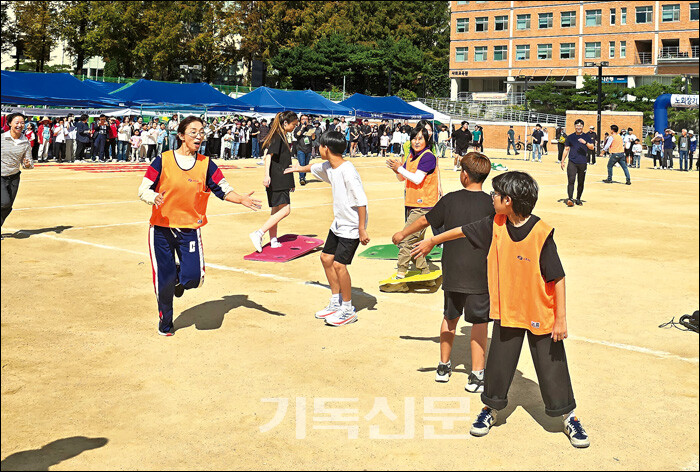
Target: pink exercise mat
{"x":293,"y":246}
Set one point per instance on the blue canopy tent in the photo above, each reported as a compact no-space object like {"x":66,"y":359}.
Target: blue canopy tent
{"x":104,"y":87}
{"x":266,"y":100}
{"x":150,"y":94}
{"x":384,"y":108}
{"x":56,"y":90}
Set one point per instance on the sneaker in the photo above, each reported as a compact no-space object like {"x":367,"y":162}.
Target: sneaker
{"x":443,"y":372}
{"x":342,"y":317}
{"x":179,"y":290}
{"x":302,"y":182}
{"x":457,"y":169}
{"x":629,"y":182}
{"x":256,"y":238}
{"x":474,"y":384}
{"x":569,"y":203}
{"x":331,"y":309}
{"x":165,"y":333}
{"x":607,"y":181}
{"x":275,"y":244}
{"x":577,"y":435}
{"x":578,"y":202}
{"x":483,"y":423}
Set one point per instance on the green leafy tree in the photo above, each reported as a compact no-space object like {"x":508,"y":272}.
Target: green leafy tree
{"x":76,"y":19}
{"x":37,"y":29}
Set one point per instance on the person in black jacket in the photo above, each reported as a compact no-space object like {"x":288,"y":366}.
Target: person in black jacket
{"x":82,"y":136}
{"x":461,"y":139}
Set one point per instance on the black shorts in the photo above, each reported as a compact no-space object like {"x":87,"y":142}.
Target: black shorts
{"x":342,"y":248}
{"x":278,"y":197}
{"x":476,"y":307}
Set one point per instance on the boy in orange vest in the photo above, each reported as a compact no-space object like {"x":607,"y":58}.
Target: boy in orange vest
{"x":527,"y":295}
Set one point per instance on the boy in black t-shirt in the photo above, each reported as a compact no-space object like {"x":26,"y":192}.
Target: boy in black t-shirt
{"x":463,"y":267}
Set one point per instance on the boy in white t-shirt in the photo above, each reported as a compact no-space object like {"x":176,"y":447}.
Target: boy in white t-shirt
{"x":384,"y":142}
{"x":349,"y":228}
{"x":637,"y":152}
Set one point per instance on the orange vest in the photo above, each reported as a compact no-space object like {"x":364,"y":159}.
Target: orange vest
{"x":186,"y":194}
{"x":519,"y":295}
{"x":617,"y":145}
{"x":426,"y":194}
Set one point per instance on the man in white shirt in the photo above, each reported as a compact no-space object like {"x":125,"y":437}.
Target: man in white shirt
{"x":628,"y":141}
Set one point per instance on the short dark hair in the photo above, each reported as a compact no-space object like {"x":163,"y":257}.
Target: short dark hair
{"x":520,"y":187}
{"x":186,"y":122}
{"x":465,"y":123}
{"x":538,"y":125}
{"x":579,"y":121}
{"x":334,"y":141}
{"x":476,"y":165}
{"x":614,"y":128}
{"x":12,"y":116}
{"x":83,"y":117}
{"x":424,"y":131}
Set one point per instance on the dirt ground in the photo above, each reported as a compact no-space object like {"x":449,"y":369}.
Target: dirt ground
{"x":251,"y":379}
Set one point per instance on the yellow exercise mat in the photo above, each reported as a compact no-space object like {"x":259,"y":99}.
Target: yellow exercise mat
{"x":413,"y":276}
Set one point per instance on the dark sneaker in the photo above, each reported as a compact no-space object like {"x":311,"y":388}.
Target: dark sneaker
{"x":577,"y":435}
{"x":179,"y":290}
{"x":483,"y":423}
{"x":578,"y":202}
{"x":474,"y":384}
{"x":607,"y":181}
{"x":569,"y":203}
{"x":629,"y":182}
{"x":443,"y":372}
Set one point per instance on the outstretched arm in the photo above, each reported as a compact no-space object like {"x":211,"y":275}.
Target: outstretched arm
{"x":424,"y":247}
{"x":414,"y":227}
{"x":297,"y":168}
{"x":246,"y":200}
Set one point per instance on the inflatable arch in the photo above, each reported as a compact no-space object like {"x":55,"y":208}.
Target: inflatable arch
{"x":666,"y":100}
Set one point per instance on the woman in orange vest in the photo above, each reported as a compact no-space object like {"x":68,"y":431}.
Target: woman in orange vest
{"x":178,"y":185}
{"x":420,"y":172}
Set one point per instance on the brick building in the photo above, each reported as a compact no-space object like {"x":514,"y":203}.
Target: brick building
{"x":504,"y":46}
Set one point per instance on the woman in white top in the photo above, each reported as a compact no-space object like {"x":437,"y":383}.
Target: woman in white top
{"x":123,"y":137}
{"x":59,"y":141}
{"x":545,"y":140}
{"x":71,"y":134}
{"x":396,"y":141}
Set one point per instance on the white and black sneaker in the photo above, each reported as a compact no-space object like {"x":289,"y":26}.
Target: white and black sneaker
{"x":474,"y":384}
{"x":443,"y":372}
{"x":483,"y":422}
{"x":577,"y":435}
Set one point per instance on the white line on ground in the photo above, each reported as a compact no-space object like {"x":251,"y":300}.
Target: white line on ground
{"x":627,"y":347}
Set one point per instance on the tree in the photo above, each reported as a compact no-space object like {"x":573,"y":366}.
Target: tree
{"x":37,"y":29}
{"x":75,"y":20}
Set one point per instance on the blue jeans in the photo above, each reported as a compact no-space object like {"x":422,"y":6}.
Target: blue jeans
{"x":304,"y":158}
{"x":172,"y":142}
{"x":614,"y":159}
{"x":255,"y":151}
{"x":122,"y":149}
{"x":536,"y":152}
{"x":234,"y":150}
{"x":511,"y":144}
{"x":683,"y":157}
{"x":441,"y":148}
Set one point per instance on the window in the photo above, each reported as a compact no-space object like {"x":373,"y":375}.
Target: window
{"x":480,"y":54}
{"x":568,"y":19}
{"x":461,"y":54}
{"x":462,"y":2}
{"x":462,"y":25}
{"x":594,"y":17}
{"x":501,"y":23}
{"x":671,"y":13}
{"x":611,"y":50}
{"x":593,"y":50}
{"x":613,"y":16}
{"x":694,"y":15}
{"x":546,"y":20}
{"x":544,"y":51}
{"x":522,"y":52}
{"x":481,"y":23}
{"x":623,"y":49}
{"x":644,"y":14}
{"x":567,"y":51}
{"x":623,"y":16}
{"x":523,"y":22}
{"x":500,"y":53}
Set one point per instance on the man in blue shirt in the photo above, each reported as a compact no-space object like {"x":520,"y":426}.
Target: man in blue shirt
{"x":669,"y":144}
{"x":576,"y":147}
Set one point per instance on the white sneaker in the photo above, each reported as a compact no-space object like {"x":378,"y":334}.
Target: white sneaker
{"x":342,"y":317}
{"x":443,"y":372}
{"x":331,"y":309}
{"x":256,"y":237}
{"x":275,"y":244}
{"x":577,"y":435}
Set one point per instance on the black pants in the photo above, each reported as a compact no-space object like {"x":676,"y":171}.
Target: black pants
{"x":544,"y":146}
{"x":80,"y":150}
{"x":111,"y":148}
{"x":560,"y":150}
{"x":8,"y":193}
{"x":59,"y":151}
{"x":549,"y":358}
{"x":573,"y":171}
{"x":591,"y":156}
{"x":657,"y":157}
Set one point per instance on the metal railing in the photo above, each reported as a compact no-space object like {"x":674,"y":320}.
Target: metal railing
{"x":672,"y":52}
{"x":513,"y":98}
{"x":645,"y":58}
{"x":695,"y":51}
{"x":480,"y":111}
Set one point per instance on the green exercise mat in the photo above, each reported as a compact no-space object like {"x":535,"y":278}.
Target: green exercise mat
{"x":391,"y":252}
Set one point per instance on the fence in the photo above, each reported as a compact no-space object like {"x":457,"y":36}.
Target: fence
{"x":481,"y":111}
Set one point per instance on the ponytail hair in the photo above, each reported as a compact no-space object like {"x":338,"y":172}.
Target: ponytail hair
{"x":277,"y":126}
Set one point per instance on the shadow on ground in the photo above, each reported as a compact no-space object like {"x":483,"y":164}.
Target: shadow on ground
{"x":210,"y":315}
{"x":51,"y":454}
{"x":26,"y":233}
{"x":523,"y":392}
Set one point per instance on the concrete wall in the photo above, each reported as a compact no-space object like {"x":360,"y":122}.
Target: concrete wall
{"x":623,"y":119}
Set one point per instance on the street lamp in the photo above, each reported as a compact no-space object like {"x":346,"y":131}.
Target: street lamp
{"x":600,"y":66}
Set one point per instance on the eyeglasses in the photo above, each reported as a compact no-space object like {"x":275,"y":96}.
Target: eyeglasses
{"x":494,"y":194}
{"x":194,"y":134}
